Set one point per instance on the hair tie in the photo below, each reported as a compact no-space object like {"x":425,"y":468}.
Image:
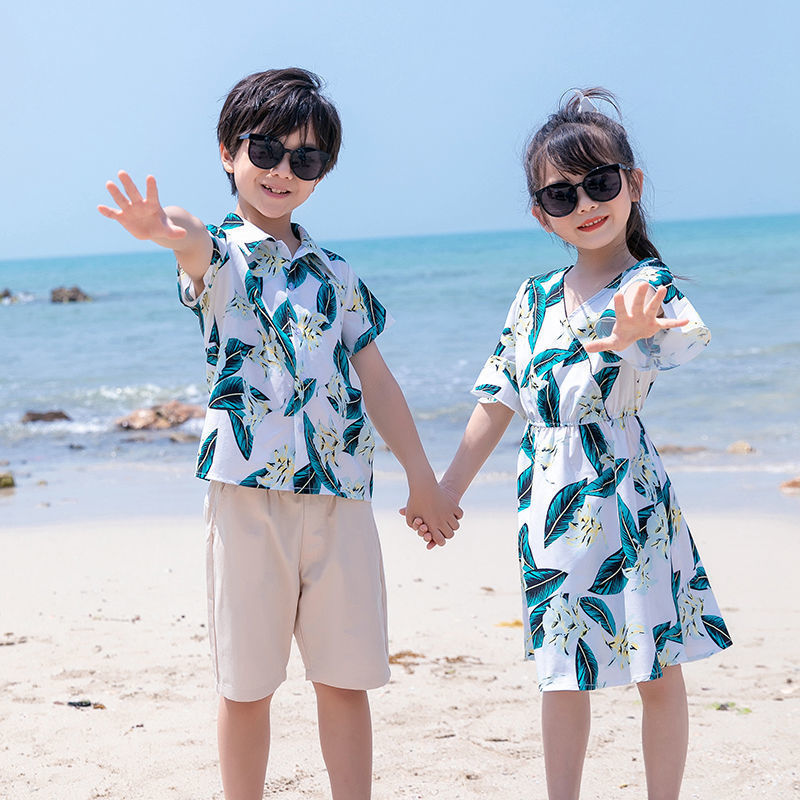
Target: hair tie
{"x":584,"y":103}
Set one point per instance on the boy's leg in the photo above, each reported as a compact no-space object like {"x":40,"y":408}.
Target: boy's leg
{"x":243,"y":735}
{"x":566,"y":718}
{"x":665,"y":733}
{"x":345,"y":733}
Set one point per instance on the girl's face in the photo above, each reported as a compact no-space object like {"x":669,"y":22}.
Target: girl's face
{"x":593,"y":225}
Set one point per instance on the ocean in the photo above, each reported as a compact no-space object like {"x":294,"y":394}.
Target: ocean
{"x":134,"y":346}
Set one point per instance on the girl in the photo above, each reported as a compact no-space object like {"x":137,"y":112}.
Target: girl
{"x":614,"y":591}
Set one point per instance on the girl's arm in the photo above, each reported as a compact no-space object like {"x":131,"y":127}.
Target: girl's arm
{"x":173,"y":227}
{"x":484,"y":430}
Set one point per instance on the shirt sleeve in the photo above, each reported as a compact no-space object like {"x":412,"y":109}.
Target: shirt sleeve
{"x":219,"y":257}
{"x":497,"y":381}
{"x":363,"y":316}
{"x":668,"y":348}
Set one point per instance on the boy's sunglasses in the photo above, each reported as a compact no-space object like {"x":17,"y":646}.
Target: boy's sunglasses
{"x":266,"y":152}
{"x":601,"y":184}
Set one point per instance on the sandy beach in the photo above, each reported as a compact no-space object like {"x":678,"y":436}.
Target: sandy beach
{"x":105,"y":602}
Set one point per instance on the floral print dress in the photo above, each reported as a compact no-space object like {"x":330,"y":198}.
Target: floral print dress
{"x":613,"y":586}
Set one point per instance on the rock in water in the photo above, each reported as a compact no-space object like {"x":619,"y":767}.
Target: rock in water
{"x":72,"y":295}
{"x":166,"y":415}
{"x":7,"y":480}
{"x":45,"y":416}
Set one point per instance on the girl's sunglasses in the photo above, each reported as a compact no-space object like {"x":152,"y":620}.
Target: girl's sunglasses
{"x":266,"y":152}
{"x":601,"y":184}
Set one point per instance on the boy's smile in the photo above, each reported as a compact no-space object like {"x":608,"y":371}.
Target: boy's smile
{"x":267,"y":197}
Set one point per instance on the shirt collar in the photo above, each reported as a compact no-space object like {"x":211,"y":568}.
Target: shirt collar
{"x":243,"y":232}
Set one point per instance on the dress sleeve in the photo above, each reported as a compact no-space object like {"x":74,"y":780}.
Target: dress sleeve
{"x":668,"y":348}
{"x":497,"y":381}
{"x":363,"y":316}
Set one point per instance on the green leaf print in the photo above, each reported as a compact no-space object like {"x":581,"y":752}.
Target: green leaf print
{"x":326,"y":477}
{"x":610,"y":578}
{"x":585,"y":666}
{"x":628,"y":533}
{"x":235,"y":353}
{"x":524,"y":484}
{"x":562,"y":510}
{"x":598,"y":611}
{"x":536,"y":620}
{"x":327,"y":303}
{"x":594,"y":445}
{"x":206,"y":455}
{"x":351,"y":435}
{"x":716,"y":629}
{"x":604,"y":485}
{"x":700,"y":580}
{"x":306,"y":481}
{"x":605,"y":379}
{"x":540,"y":584}
{"x":548,"y":400}
{"x":302,"y":394}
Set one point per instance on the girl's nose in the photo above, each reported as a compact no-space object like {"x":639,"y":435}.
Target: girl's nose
{"x":585,"y":203}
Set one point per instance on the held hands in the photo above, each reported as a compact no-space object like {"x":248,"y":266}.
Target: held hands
{"x":640,"y":321}
{"x":440,"y":510}
{"x":428,"y":523}
{"x":143,"y":218}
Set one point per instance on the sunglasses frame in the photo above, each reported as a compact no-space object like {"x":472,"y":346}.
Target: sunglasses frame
{"x":265,"y":137}
{"x":537,"y":195}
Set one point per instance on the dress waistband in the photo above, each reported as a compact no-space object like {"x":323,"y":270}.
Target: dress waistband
{"x":588,"y":420}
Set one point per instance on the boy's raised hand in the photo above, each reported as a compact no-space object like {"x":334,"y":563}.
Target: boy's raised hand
{"x":142,"y":217}
{"x":639,"y":321}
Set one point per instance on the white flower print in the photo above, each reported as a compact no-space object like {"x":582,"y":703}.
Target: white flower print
{"x":563,"y":623}
{"x":585,"y":527}
{"x":280,"y":470}
{"x":309,"y":327}
{"x":690,"y":607}
{"x":240,"y":306}
{"x":622,"y":644}
{"x":329,"y":444}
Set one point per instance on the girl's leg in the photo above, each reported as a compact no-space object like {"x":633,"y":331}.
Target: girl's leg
{"x":665,"y":733}
{"x":345,"y":733}
{"x":243,"y":736}
{"x":566,"y":718}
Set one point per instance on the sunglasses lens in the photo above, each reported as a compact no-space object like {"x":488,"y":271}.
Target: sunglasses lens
{"x":559,"y":199}
{"x":603,"y":183}
{"x":265,"y":153}
{"x":308,"y":163}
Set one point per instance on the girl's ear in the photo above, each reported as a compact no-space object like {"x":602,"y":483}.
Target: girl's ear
{"x":636,"y":183}
{"x":227,"y":158}
{"x":541,"y":218}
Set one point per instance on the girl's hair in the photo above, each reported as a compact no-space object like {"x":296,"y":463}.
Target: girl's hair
{"x":575,"y":140}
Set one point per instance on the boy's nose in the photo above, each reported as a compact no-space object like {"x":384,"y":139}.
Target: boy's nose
{"x":282,"y":168}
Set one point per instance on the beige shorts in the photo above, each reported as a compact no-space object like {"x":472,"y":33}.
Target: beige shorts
{"x":280,"y":564}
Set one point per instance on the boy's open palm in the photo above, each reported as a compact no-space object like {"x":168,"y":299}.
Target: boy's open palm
{"x":636,"y":319}
{"x":142,"y":217}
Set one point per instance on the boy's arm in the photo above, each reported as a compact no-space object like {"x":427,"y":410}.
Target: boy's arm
{"x":388,"y":410}
{"x":484,"y":430}
{"x":173,"y":227}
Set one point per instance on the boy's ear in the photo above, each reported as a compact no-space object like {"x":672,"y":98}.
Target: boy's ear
{"x":540,"y":217}
{"x":226,"y":157}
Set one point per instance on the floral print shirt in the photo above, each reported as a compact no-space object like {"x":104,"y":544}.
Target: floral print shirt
{"x":284,"y":409}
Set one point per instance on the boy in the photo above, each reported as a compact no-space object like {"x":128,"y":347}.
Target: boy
{"x":286,"y":446}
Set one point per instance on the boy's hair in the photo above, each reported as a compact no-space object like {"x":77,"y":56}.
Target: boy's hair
{"x":278,"y":102}
{"x":575,"y":140}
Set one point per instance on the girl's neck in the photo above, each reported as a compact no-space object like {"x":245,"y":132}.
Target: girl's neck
{"x":604,"y":263}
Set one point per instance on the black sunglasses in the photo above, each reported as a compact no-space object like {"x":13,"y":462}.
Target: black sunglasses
{"x":601,"y":183}
{"x":266,"y":152}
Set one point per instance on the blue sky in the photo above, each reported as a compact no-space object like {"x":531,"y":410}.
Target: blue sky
{"x":437,"y":99}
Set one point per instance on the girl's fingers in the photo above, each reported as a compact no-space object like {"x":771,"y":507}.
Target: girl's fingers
{"x":129,"y":186}
{"x":672,"y":323}
{"x":111,"y":213}
{"x":653,"y":306}
{"x":117,"y":195}
{"x":151,"y":190}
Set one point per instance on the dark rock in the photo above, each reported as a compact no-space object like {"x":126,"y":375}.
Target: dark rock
{"x":7,"y":480}
{"x":44,"y":416}
{"x":72,"y":295}
{"x":159,"y":417}
{"x":5,"y":294}
{"x":791,"y":486}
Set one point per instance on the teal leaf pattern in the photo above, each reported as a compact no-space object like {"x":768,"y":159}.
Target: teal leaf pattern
{"x":562,"y":509}
{"x":540,"y":584}
{"x":323,"y":472}
{"x":610,"y":578}
{"x":594,"y":445}
{"x":304,"y":391}
{"x":717,"y":630}
{"x":327,"y":303}
{"x":599,"y":612}
{"x":206,"y":455}
{"x":585,"y":666}
{"x":548,"y":400}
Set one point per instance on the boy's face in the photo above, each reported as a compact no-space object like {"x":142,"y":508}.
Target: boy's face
{"x":267,"y":197}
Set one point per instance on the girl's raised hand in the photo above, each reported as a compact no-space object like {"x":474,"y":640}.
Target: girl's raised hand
{"x":142,"y":217}
{"x":640,"y":321}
